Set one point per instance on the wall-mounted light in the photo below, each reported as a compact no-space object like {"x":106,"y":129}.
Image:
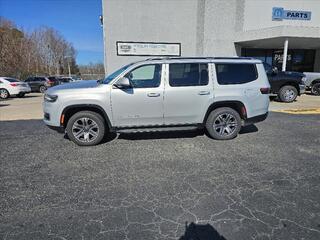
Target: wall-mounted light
{"x":101,"y":20}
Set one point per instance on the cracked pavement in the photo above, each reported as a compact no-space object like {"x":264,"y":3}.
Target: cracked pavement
{"x":265,"y":184}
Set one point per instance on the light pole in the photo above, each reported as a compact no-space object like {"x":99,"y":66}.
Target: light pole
{"x":68,"y":62}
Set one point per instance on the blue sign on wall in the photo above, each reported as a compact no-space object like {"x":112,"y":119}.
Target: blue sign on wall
{"x":278,"y":14}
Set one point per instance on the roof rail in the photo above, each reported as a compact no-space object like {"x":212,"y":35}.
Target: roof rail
{"x":168,"y":58}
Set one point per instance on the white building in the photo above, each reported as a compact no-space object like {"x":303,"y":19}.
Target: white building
{"x":264,"y":29}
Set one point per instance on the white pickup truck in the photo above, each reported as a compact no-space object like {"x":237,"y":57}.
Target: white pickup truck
{"x":313,"y":82}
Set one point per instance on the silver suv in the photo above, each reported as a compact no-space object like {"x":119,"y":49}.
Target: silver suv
{"x":161,"y":94}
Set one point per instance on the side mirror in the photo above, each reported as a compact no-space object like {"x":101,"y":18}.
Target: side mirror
{"x":275,"y":70}
{"x":123,"y":83}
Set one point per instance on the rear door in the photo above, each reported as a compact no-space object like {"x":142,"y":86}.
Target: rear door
{"x":188,"y":93}
{"x":32,"y":84}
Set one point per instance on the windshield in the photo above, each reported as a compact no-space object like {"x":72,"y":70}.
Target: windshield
{"x":113,"y":75}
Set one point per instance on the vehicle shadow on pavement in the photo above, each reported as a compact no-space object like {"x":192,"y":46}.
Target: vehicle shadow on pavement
{"x":4,"y":105}
{"x":161,"y":135}
{"x":172,"y":134}
{"x":249,"y":129}
{"x":32,"y":96}
{"x":201,"y":232}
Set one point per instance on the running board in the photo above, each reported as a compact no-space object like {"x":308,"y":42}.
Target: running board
{"x":157,"y":129}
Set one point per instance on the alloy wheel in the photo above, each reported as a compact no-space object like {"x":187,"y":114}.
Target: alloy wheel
{"x":3,"y":94}
{"x":42,"y":89}
{"x":225,"y":124}
{"x":85,"y":129}
{"x":289,"y":95}
{"x":316,"y":89}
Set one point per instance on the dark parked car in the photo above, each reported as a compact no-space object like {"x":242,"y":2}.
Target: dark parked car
{"x":40,"y":84}
{"x":52,"y":81}
{"x":285,"y":85}
{"x":37,"y":84}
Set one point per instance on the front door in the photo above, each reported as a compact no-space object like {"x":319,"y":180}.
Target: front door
{"x":142,"y":104}
{"x":188,"y":93}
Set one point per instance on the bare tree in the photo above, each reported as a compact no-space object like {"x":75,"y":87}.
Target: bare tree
{"x":41,"y":52}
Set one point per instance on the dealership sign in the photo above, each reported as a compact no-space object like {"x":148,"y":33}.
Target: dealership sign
{"x":279,"y":14}
{"x":148,"y":49}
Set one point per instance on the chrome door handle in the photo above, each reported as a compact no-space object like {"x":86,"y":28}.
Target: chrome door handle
{"x":204,"y":93}
{"x":153,"y":94}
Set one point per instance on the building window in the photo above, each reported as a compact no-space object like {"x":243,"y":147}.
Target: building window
{"x":299,"y":60}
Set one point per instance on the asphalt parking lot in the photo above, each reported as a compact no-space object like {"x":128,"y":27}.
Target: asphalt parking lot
{"x":265,"y":184}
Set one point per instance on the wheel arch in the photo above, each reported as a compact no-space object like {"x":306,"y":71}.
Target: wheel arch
{"x":72,"y":109}
{"x":315,"y":81}
{"x":290,"y":83}
{"x":234,"y":104}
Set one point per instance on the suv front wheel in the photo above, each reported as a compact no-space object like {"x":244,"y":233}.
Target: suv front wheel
{"x":223,"y":123}
{"x":86,"y":128}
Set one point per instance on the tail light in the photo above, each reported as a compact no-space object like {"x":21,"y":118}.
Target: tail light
{"x":13,"y":84}
{"x":265,"y":90}
{"x":244,"y":112}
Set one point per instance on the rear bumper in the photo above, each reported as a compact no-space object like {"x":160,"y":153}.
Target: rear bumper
{"x":19,"y":90}
{"x":255,"y":119}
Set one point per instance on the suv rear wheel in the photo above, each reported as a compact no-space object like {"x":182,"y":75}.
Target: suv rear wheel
{"x":315,"y":89}
{"x":223,"y":123}
{"x":288,"y":94}
{"x":86,"y":128}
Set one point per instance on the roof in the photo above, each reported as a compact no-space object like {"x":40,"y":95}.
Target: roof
{"x":199,"y":59}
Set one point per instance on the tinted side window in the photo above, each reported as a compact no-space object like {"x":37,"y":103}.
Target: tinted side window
{"x":11,"y":80}
{"x":146,"y":76}
{"x":188,"y":74}
{"x":233,"y":73}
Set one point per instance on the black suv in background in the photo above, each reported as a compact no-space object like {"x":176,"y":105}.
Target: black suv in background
{"x":40,"y":84}
{"x":286,"y":85}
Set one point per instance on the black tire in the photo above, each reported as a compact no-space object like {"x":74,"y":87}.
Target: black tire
{"x":21,"y":95}
{"x":74,"y":127}
{"x":315,"y":89}
{"x":223,"y":123}
{"x":287,"y":94}
{"x":4,"y":94}
{"x":42,"y":89}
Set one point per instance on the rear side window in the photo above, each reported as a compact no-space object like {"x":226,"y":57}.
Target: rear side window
{"x":188,"y":74}
{"x":11,"y":80}
{"x":233,"y":73}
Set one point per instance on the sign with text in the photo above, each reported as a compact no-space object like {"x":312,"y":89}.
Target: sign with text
{"x":278,"y":14}
{"x":148,"y":49}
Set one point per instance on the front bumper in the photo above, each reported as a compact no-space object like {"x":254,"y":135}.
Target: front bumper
{"x":302,"y":88}
{"x":52,"y":114}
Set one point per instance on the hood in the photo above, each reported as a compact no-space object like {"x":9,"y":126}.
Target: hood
{"x":76,"y":85}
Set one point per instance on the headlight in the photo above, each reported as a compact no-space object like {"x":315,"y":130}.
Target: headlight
{"x":303,"y":80}
{"x":50,"y":98}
